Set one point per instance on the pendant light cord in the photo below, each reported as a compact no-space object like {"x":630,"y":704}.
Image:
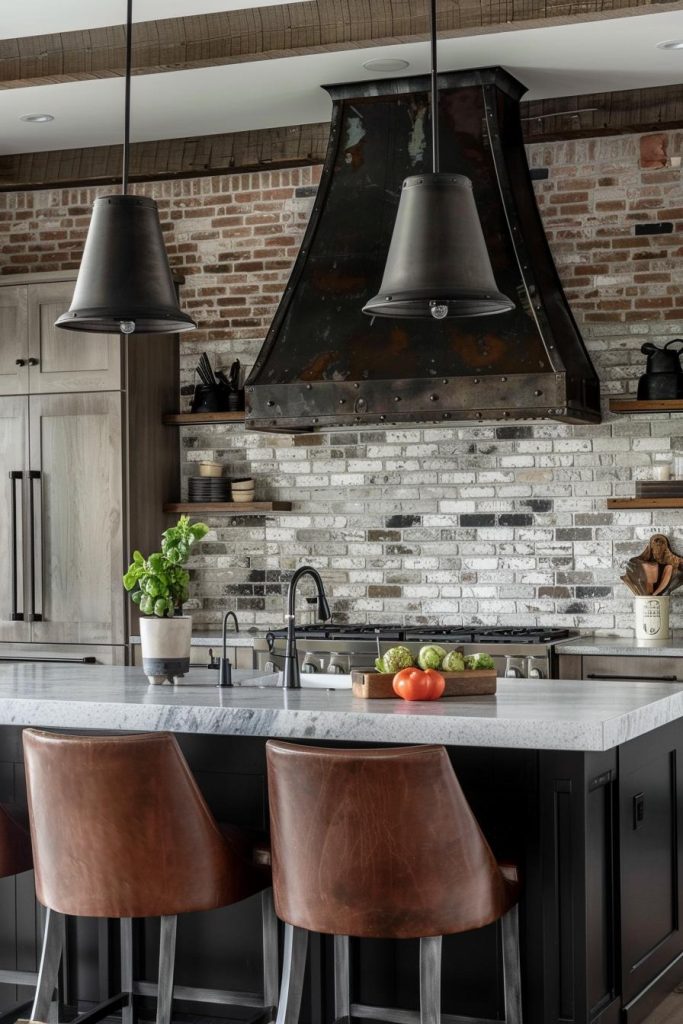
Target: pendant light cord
{"x":435,"y":91}
{"x":126,"y":115}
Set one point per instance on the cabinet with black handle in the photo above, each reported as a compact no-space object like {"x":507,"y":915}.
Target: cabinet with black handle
{"x":85,"y":468}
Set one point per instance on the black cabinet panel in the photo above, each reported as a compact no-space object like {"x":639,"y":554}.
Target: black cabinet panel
{"x":650,"y":794}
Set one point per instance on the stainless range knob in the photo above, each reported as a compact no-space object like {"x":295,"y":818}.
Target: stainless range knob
{"x":514,"y":667}
{"x":536,"y":668}
{"x":335,"y":665}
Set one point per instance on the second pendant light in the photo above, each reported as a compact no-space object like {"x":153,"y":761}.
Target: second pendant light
{"x":438,"y":264}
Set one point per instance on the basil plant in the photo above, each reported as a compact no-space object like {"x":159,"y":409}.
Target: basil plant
{"x":159,"y":584}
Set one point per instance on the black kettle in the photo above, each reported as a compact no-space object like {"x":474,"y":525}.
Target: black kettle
{"x":663,"y":377}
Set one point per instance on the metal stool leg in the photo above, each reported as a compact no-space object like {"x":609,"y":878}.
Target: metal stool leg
{"x":127,"y":1014}
{"x":271,"y":956}
{"x":430,"y":980}
{"x":342,"y":980}
{"x":166,"y":966}
{"x":512,"y":975}
{"x":293,"y":969}
{"x":53,"y":944}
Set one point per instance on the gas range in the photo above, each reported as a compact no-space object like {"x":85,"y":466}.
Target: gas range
{"x":522,"y":651}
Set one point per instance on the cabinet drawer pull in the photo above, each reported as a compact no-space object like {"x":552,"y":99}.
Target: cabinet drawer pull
{"x":14,"y":476}
{"x":33,"y":615}
{"x":636,"y":679}
{"x":33,"y":361}
{"x":20,"y":362}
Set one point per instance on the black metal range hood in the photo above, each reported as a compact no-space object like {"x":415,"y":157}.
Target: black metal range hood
{"x":325,"y":364}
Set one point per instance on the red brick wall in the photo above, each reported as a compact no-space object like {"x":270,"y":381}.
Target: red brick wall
{"x":508,"y":524}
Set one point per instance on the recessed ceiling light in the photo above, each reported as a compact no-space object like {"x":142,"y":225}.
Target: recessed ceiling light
{"x":386,"y":64}
{"x":671,"y":44}
{"x":37,"y":118}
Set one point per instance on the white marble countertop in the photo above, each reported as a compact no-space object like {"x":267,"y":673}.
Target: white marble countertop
{"x":623,"y":646}
{"x":525,"y":713}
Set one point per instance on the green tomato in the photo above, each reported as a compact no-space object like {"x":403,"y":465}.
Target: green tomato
{"x":431,"y":656}
{"x":477,"y":661}
{"x":453,"y":662}
{"x":397,"y":658}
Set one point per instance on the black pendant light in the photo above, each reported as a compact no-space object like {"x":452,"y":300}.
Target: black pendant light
{"x":438,"y":264}
{"x":124,"y":282}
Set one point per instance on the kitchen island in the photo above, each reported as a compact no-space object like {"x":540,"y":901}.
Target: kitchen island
{"x":581,"y":785}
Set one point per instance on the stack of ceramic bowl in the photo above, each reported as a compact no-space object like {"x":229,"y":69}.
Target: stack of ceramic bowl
{"x":210,"y":485}
{"x":242,"y":490}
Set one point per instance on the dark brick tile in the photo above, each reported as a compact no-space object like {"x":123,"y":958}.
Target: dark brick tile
{"x":476,"y":520}
{"x":403,"y":522}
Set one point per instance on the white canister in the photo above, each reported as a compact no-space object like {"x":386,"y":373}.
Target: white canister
{"x":652,"y":618}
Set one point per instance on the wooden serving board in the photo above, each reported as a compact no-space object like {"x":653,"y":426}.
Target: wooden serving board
{"x":470,"y":683}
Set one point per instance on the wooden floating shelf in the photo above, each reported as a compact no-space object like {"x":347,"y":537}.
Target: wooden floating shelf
{"x":220,"y":507}
{"x":645,"y":503}
{"x":183,"y":419}
{"x":633,"y":405}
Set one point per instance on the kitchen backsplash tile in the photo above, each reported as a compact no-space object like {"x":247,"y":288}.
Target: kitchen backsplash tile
{"x":493,"y":523}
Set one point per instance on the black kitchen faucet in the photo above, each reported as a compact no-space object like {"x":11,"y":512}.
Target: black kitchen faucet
{"x":291,"y":679}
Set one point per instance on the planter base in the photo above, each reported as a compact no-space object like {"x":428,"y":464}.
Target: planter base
{"x":163,"y":670}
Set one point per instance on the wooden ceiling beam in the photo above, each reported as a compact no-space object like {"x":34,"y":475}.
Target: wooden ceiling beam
{"x":570,"y":117}
{"x":284,"y":30}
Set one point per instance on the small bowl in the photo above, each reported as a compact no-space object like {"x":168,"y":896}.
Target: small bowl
{"x":210,"y":469}
{"x":245,"y":484}
{"x":242,"y":496}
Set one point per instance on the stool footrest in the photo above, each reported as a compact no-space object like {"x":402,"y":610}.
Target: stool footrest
{"x":19,"y":978}
{"x":393,"y":1015}
{"x":219,"y":996}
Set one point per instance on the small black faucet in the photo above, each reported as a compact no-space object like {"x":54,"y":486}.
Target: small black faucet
{"x":291,"y":679}
{"x":224,"y":666}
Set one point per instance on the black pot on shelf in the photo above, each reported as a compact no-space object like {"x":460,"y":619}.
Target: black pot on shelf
{"x":663,"y":377}
{"x":206,"y":399}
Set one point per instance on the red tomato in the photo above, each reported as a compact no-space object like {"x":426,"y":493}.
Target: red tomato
{"x":414,"y":684}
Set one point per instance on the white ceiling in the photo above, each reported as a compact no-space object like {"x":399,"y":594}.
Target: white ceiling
{"x":565,"y":60}
{"x":43,"y":17}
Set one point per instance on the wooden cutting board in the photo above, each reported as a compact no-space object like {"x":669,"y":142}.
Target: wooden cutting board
{"x":377,"y":685}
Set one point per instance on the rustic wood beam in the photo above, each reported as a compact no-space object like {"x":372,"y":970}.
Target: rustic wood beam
{"x":168,"y":158}
{"x":604,"y":113}
{"x":570,"y":117}
{"x":284,"y":30}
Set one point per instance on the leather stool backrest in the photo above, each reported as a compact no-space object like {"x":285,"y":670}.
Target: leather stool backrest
{"x":120,"y":829}
{"x":377,"y":843}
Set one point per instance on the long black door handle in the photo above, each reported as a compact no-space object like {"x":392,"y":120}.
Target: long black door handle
{"x":14,"y":476}
{"x":636,"y":679}
{"x":33,"y":475}
{"x":89,"y":660}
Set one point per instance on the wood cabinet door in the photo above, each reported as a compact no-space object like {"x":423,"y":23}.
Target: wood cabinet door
{"x":62,"y":360}
{"x":13,"y":460}
{"x":13,"y":340}
{"x":76,"y":463}
{"x":651,"y":857}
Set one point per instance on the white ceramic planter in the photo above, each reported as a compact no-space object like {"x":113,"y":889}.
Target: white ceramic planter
{"x":165,"y":647}
{"x":652,"y":618}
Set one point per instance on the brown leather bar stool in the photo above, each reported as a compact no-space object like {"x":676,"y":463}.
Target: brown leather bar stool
{"x":381,"y":844}
{"x":121,"y":830}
